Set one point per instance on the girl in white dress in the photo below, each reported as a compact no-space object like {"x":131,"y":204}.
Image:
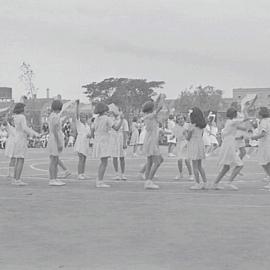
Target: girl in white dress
{"x":195,"y":146}
{"x":228,"y":154}
{"x":180,"y":133}
{"x":20,"y":142}
{"x":9,"y":150}
{"x":151,"y":141}
{"x":82,"y":141}
{"x":263,"y":154}
{"x":142,"y":136}
{"x":55,"y":142}
{"x":134,"y":141}
{"x":101,"y":148}
{"x":118,"y":142}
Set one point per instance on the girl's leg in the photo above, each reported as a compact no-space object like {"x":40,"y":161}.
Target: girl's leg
{"x":102,"y":168}
{"x":242,"y":152}
{"x":187,"y":162}
{"x":53,"y":167}
{"x":157,"y":160}
{"x":134,"y":149}
{"x":180,"y":166}
{"x":235,"y":172}
{"x":62,"y":165}
{"x":19,"y":168}
{"x":267,"y":169}
{"x":222,"y":173}
{"x":148,"y":167}
{"x":201,"y":170}
{"x":123,"y":168}
{"x":196,"y":171}
{"x":115,"y":164}
{"x":11,"y":167}
{"x":81,"y":164}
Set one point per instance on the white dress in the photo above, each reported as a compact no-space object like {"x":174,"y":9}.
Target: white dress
{"x":263,"y":154}
{"x":82,"y":141}
{"x":170,"y":137}
{"x":195,"y":146}
{"x":181,"y":142}
{"x":142,"y":135}
{"x":117,"y":139}
{"x":21,"y":133}
{"x":228,"y":154}
{"x":10,"y":143}
{"x":206,"y":136}
{"x":213,"y":134}
{"x":134,"y":140}
{"x":55,"y":123}
{"x":102,"y":127}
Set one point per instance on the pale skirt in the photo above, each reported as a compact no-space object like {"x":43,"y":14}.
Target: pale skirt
{"x":151,"y":145}
{"x":10,"y":145}
{"x":82,"y":144}
{"x":117,"y":144}
{"x":134,"y":140}
{"x":101,"y":147}
{"x":263,"y":154}
{"x":52,"y":144}
{"x":20,"y":145}
{"x":142,"y":136}
{"x":195,"y":149}
{"x":181,"y":149}
{"x":228,"y":154}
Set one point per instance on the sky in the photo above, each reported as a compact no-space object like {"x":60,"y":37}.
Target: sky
{"x":69,"y":43}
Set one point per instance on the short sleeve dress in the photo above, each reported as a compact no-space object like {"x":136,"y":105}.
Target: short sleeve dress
{"x":181,"y":142}
{"x":54,"y":121}
{"x":228,"y":154}
{"x":117,"y":139}
{"x":21,"y":133}
{"x":263,"y":154}
{"x":10,"y":143}
{"x":134,"y":134}
{"x":82,"y":141}
{"x":151,"y":140}
{"x":102,"y":127}
{"x":195,"y":146}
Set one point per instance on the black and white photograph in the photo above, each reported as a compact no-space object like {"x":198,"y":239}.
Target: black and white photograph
{"x":134,"y":135}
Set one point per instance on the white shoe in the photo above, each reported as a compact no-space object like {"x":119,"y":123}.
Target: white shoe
{"x":216,"y":186}
{"x":55,"y":182}
{"x":123,"y":177}
{"x":171,"y":155}
{"x":179,"y":176}
{"x":117,"y":177}
{"x":267,"y":186}
{"x":204,"y":185}
{"x":150,"y":185}
{"x":231,"y":186}
{"x":81,"y":177}
{"x":142,"y":176}
{"x":101,"y":184}
{"x":65,"y":174}
{"x":191,"y":178}
{"x":197,"y":186}
{"x":19,"y":183}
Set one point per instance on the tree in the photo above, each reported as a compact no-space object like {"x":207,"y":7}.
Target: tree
{"x":206,"y":98}
{"x":127,"y":94}
{"x":27,"y":75}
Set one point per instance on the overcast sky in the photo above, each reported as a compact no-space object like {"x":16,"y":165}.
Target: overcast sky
{"x":68,"y":43}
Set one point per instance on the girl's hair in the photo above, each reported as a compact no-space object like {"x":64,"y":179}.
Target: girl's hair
{"x":19,"y":108}
{"x":101,"y":108}
{"x":231,"y":113}
{"x":197,"y":118}
{"x":57,"y":105}
{"x":148,"y":107}
{"x":264,"y":112}
{"x":135,"y":119}
{"x":180,"y":115}
{"x":171,"y":117}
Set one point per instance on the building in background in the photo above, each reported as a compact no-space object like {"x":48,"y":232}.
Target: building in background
{"x":262,"y":93}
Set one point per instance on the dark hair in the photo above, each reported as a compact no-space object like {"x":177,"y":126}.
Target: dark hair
{"x":19,"y":108}
{"x":231,"y":113}
{"x":57,"y":105}
{"x":135,"y":119}
{"x":148,"y":107}
{"x":197,"y":118}
{"x":171,"y":117}
{"x":101,"y":108}
{"x":264,"y":112}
